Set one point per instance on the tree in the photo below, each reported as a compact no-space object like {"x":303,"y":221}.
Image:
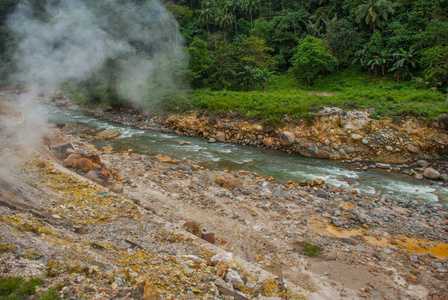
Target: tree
{"x":224,"y":18}
{"x":248,"y":77}
{"x":265,"y":76}
{"x":207,"y":15}
{"x":435,"y":63}
{"x":199,"y":63}
{"x":404,"y":62}
{"x":382,"y":61}
{"x":251,"y":6}
{"x":374,"y":12}
{"x":342,"y":39}
{"x":253,"y":52}
{"x":311,"y":59}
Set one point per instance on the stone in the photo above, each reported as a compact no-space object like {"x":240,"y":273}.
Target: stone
{"x":107,"y":134}
{"x":364,"y":219}
{"x":225,"y":257}
{"x":84,"y":164}
{"x":234,"y":278}
{"x":287,"y":138}
{"x":231,"y":184}
{"x":209,"y":237}
{"x":356,"y":136}
{"x":145,"y":290}
{"x":220,"y":136}
{"x":413,"y":149}
{"x":422,"y":163}
{"x":61,"y":147}
{"x":383,"y":166}
{"x":69,"y":161}
{"x":318,"y":181}
{"x":96,"y":176}
{"x":219,"y":179}
{"x":193,"y":228}
{"x":418,"y":176}
{"x":221,"y":269}
{"x":117,"y":189}
{"x":431,"y":173}
{"x":269,"y":141}
{"x":323,"y":154}
{"x":444,"y":177}
{"x":211,"y":140}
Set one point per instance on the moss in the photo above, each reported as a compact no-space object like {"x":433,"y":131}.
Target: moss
{"x":12,"y":287}
{"x":310,"y":249}
{"x":55,"y":268}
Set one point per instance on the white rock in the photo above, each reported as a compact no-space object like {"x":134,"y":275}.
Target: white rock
{"x":234,"y":278}
{"x":226,"y":257}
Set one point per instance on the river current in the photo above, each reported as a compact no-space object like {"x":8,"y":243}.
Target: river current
{"x":222,"y":156}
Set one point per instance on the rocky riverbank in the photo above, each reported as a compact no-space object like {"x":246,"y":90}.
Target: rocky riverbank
{"x":409,"y":145}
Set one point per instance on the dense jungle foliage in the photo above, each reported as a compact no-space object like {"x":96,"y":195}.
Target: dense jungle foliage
{"x":253,"y":46}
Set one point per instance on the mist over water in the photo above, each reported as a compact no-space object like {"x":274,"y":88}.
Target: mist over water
{"x":132,"y":47}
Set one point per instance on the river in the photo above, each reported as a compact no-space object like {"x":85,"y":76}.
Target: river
{"x":221,"y":156}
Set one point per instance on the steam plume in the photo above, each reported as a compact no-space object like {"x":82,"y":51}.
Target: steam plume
{"x":132,"y":46}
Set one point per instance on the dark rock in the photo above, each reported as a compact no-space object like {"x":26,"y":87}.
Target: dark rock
{"x":96,"y":176}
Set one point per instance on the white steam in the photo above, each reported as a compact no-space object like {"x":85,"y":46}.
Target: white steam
{"x":132,"y":46}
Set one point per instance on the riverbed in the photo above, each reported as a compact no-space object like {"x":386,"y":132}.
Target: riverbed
{"x":268,"y":163}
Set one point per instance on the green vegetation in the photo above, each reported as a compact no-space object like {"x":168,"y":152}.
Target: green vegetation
{"x":308,"y":249}
{"x":16,"y":288}
{"x":347,"y":89}
{"x":268,"y":59}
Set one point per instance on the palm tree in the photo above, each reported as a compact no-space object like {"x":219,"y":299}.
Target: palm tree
{"x":265,"y":76}
{"x":382,"y":61}
{"x":234,"y":5}
{"x":206,"y":15}
{"x":374,"y":12}
{"x":251,"y":6}
{"x":404,"y":60}
{"x":249,"y":76}
{"x":224,"y":19}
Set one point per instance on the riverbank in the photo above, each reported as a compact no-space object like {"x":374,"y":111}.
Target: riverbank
{"x":139,"y":224}
{"x":409,"y":146}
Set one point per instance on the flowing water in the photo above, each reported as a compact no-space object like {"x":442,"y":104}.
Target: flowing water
{"x":220,"y":156}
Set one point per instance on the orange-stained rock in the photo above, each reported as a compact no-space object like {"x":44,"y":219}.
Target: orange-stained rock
{"x":268,"y":141}
{"x":194,"y":228}
{"x":145,"y":290}
{"x":84,"y":164}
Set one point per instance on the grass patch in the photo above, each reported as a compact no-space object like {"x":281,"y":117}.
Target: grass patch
{"x":348,"y":89}
{"x":308,"y":249}
{"x":16,"y":288}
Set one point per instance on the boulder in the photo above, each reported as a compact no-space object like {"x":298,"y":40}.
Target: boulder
{"x":422,"y":163}
{"x":107,"y":134}
{"x":269,"y":141}
{"x":232,"y":184}
{"x":209,"y":237}
{"x":431,"y":173}
{"x":383,"y":166}
{"x":193,"y":228}
{"x":220,"y":136}
{"x":96,"y":176}
{"x":60,"y":147}
{"x":69,"y":161}
{"x":234,"y":278}
{"x":84,"y":164}
{"x":145,"y":290}
{"x":413,"y":149}
{"x":287,"y":138}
